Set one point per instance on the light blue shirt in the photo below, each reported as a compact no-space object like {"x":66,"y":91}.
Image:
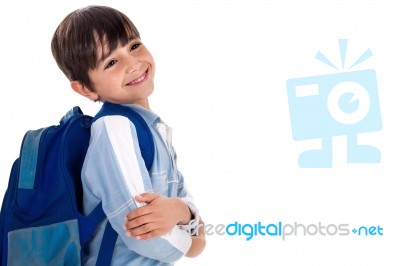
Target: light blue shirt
{"x":114,"y":173}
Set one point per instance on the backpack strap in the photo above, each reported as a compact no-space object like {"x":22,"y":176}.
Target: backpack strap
{"x":146,"y":145}
{"x":144,"y":135}
{"x":29,"y":157}
{"x":107,"y":246}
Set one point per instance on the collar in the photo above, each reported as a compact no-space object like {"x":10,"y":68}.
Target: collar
{"x":147,"y":114}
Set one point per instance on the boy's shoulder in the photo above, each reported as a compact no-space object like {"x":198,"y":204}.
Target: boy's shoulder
{"x":141,"y":119}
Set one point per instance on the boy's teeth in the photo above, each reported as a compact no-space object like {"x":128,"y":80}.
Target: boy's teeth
{"x":139,"y":79}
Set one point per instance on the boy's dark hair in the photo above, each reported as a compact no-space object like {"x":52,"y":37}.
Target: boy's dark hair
{"x":75,"y":42}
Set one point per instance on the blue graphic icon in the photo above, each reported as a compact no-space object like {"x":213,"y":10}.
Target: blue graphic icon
{"x":344,"y":103}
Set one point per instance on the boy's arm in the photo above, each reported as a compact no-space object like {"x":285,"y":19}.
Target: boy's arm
{"x":114,"y":172}
{"x":158,"y":217}
{"x":155,"y":219}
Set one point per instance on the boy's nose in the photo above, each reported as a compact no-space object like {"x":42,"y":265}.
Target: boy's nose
{"x":132,"y":65}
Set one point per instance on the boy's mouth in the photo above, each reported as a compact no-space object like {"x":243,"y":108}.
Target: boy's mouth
{"x":139,"y":79}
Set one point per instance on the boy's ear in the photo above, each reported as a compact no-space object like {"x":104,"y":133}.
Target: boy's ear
{"x":84,"y":91}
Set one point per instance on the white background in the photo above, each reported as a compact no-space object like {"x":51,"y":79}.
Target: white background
{"x":220,"y":83}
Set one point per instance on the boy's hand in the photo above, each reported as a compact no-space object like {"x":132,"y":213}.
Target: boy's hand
{"x":198,"y":242}
{"x":157,"y":218}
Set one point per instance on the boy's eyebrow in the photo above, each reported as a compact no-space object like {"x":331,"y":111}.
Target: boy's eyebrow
{"x":103,"y":58}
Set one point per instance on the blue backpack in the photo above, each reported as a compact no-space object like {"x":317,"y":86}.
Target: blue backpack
{"x":41,"y":220}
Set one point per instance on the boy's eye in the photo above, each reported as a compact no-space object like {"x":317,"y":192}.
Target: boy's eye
{"x":135,"y":46}
{"x":110,"y":64}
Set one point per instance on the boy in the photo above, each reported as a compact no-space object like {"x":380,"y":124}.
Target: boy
{"x":100,"y":51}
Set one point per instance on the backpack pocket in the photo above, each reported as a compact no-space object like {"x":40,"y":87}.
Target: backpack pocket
{"x":54,"y":244}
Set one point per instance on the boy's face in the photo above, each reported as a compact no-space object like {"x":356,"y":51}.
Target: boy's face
{"x":126,"y":76}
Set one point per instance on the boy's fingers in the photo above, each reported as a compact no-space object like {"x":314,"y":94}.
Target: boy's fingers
{"x":147,"y":197}
{"x":151,"y":234}
{"x":135,"y":214}
{"x":139,"y":221}
{"x":145,"y":232}
{"x":138,"y":232}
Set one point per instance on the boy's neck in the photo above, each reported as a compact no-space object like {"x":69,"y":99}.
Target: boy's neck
{"x":143,"y":103}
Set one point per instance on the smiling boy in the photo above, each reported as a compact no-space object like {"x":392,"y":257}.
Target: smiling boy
{"x":100,"y":51}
